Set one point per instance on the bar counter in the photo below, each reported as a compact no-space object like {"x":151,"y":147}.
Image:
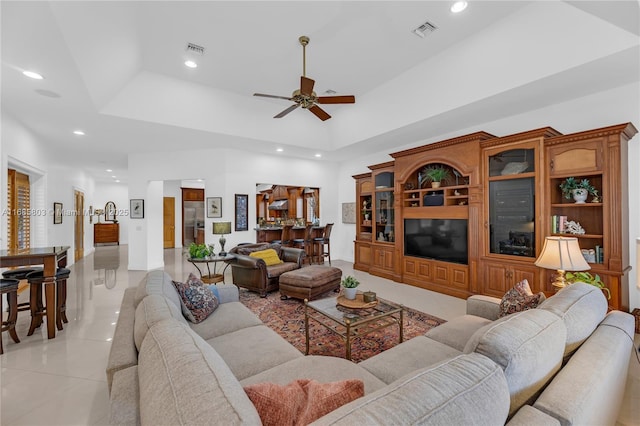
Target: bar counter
{"x":270,"y":233}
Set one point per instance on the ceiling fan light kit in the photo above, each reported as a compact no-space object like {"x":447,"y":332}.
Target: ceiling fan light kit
{"x":305,"y":97}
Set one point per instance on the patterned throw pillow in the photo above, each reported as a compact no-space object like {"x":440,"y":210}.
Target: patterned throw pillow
{"x":198,"y":301}
{"x":301,"y":401}
{"x":519,"y":298}
{"x":270,"y":256}
{"x":248,"y":250}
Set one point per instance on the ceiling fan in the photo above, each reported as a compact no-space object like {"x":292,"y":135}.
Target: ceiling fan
{"x":305,"y":97}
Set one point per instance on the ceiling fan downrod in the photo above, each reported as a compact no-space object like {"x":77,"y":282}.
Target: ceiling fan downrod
{"x":304,"y":40}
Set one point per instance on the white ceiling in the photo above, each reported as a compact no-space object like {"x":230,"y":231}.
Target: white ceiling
{"x":115,"y":69}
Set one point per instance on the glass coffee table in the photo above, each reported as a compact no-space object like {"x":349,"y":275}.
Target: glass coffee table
{"x":350,"y":323}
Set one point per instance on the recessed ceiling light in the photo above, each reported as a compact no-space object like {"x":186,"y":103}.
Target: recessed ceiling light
{"x":117,"y":180}
{"x":318,"y":155}
{"x":191,"y":64}
{"x":279,"y":149}
{"x":78,"y":132}
{"x":108,"y":170}
{"x":33,"y":74}
{"x":459,"y":6}
{"x":113,"y":176}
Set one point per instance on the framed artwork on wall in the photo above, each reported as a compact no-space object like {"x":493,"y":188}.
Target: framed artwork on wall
{"x":242,"y":212}
{"x":348,"y":212}
{"x":136,"y":208}
{"x":57,"y":213}
{"x":214,"y":206}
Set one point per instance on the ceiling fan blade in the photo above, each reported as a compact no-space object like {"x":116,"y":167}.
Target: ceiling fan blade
{"x":319,"y":112}
{"x":350,"y":99}
{"x":287,"y":111}
{"x":306,"y":85}
{"x":272,"y":96}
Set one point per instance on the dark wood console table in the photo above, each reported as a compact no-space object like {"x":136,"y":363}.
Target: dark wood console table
{"x":52,"y":258}
{"x":106,"y":233}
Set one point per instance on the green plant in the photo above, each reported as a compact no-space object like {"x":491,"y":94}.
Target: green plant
{"x":434,"y":174}
{"x":349,"y":282}
{"x":198,"y":251}
{"x":569,"y":184}
{"x":586,"y":277}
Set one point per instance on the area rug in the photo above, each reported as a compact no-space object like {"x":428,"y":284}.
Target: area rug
{"x":286,"y":317}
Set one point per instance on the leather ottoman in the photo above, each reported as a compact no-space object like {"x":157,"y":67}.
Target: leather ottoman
{"x":309,"y":282}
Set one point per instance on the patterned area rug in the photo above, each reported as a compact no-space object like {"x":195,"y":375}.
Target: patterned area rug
{"x":286,"y":317}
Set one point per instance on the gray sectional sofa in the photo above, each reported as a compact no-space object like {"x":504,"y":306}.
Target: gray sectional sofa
{"x":562,"y":363}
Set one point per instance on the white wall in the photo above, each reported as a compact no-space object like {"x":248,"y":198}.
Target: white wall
{"x":119,"y":194}
{"x":226,"y":172}
{"x":23,"y":150}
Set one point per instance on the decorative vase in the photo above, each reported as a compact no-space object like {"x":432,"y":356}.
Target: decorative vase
{"x":435,"y":184}
{"x":350,"y":293}
{"x":580,"y":195}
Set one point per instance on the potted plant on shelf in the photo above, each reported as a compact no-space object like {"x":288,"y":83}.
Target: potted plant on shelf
{"x":435,"y":175}
{"x":577,"y":189}
{"x":349,"y":284}
{"x":586,"y":277}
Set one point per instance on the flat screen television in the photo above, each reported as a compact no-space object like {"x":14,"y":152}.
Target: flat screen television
{"x":439,"y":239}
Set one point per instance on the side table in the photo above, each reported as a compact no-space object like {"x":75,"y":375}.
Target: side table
{"x":210,"y":278}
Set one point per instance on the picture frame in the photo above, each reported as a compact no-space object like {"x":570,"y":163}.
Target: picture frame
{"x":136,"y":206}
{"x":57,"y":213}
{"x":242,"y":212}
{"x":214,"y":207}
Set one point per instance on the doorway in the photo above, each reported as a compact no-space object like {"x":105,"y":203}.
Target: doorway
{"x":78,"y":225}
{"x":169,"y":221}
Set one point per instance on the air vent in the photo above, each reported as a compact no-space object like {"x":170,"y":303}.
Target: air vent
{"x":194,"y":48}
{"x":425,"y":29}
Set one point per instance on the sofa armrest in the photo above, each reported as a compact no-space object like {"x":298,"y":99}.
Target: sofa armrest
{"x":529,"y":415}
{"x":123,"y":352}
{"x":484,"y":306}
{"x":290,"y":254}
{"x":124,"y":403}
{"x":248,"y":262}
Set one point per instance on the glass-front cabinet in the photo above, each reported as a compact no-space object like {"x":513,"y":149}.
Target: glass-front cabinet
{"x":384,"y":215}
{"x":512,"y":202}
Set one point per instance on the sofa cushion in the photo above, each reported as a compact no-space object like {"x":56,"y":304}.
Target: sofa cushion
{"x":124,"y":407}
{"x":301,"y":401}
{"x":408,"y":357}
{"x":457,"y":332}
{"x":277,"y":270}
{"x":321,"y":368}
{"x":253,"y":349}
{"x":157,"y":282}
{"x":123,"y":352}
{"x":197,"y":300}
{"x":270,"y":256}
{"x":229,"y":317}
{"x":519,"y":298}
{"x":464,"y":390}
{"x":152,"y":309}
{"x":528,"y":346}
{"x":581,"y":306}
{"x":183,"y":381}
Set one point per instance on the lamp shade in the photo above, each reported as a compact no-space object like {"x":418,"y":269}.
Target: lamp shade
{"x":222,"y":228}
{"x":562,"y":253}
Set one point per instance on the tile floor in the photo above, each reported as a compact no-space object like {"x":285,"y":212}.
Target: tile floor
{"x":62,"y":381}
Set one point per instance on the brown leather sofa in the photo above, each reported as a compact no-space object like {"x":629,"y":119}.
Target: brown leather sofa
{"x":253,"y":274}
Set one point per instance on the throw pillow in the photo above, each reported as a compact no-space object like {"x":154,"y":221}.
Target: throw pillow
{"x":270,"y":256}
{"x":301,"y":401}
{"x":197,"y":299}
{"x":519,"y":298}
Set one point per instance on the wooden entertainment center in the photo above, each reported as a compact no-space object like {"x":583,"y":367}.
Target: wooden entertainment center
{"x":503,"y":193}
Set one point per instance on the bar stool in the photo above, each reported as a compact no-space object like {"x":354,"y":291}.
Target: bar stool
{"x":38,"y":310}
{"x":285,"y":237}
{"x":305,"y":243}
{"x":21,"y":274}
{"x":10,"y":288}
{"x":320,"y":242}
